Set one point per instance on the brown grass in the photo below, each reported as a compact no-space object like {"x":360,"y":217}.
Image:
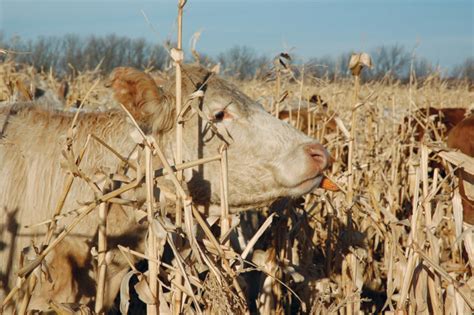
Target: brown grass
{"x":397,"y":245}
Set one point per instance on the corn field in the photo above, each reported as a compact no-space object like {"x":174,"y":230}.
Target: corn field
{"x":390,"y":239}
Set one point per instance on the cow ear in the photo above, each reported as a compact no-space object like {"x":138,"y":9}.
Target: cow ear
{"x":151,"y":106}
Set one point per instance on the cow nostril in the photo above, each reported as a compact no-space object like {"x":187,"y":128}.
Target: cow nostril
{"x":319,"y":154}
{"x":319,"y":157}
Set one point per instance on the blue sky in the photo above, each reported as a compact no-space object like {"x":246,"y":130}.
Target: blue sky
{"x":444,"y":30}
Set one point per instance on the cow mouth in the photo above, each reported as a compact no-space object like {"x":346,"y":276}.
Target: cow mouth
{"x":319,"y":181}
{"x":309,"y":184}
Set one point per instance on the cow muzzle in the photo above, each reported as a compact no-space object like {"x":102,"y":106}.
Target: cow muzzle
{"x":319,"y":156}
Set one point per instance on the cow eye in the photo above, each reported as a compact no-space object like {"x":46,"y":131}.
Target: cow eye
{"x":219,"y":116}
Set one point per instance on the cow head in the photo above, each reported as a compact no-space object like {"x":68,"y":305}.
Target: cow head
{"x":267,"y":157}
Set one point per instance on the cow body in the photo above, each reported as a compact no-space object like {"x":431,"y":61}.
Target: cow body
{"x":268,"y":159}
{"x":32,"y":181}
{"x":452,"y":126}
{"x":443,"y":120}
{"x":462,"y":137}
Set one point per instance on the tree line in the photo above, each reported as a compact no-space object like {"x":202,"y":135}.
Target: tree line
{"x":75,"y":53}
{"x":71,"y":52}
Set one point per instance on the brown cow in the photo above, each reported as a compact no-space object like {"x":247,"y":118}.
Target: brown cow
{"x":318,"y":117}
{"x":462,"y":137}
{"x":442,"y":119}
{"x":268,"y":159}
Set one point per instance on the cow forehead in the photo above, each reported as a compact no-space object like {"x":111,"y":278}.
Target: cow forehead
{"x":220,"y":93}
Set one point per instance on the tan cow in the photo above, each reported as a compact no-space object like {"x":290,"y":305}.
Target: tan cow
{"x":268,"y":159}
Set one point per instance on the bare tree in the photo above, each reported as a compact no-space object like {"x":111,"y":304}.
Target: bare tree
{"x":422,"y":67}
{"x":240,"y":61}
{"x":465,"y":70}
{"x":392,"y":61}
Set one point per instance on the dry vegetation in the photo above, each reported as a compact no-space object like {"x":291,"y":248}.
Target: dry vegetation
{"x":397,"y":243}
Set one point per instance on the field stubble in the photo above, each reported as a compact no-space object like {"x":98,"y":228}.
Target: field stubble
{"x":399,"y":243}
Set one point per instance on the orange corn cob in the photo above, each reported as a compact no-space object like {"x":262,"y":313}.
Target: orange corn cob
{"x":328,"y":184}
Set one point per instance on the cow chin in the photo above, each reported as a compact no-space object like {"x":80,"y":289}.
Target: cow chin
{"x":306,"y":186}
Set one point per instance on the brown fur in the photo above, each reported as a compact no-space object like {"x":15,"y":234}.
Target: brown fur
{"x":444,"y":120}
{"x":138,"y":92}
{"x":462,"y":137}
{"x":63,"y":91}
{"x":23,"y":91}
{"x":316,"y":118}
